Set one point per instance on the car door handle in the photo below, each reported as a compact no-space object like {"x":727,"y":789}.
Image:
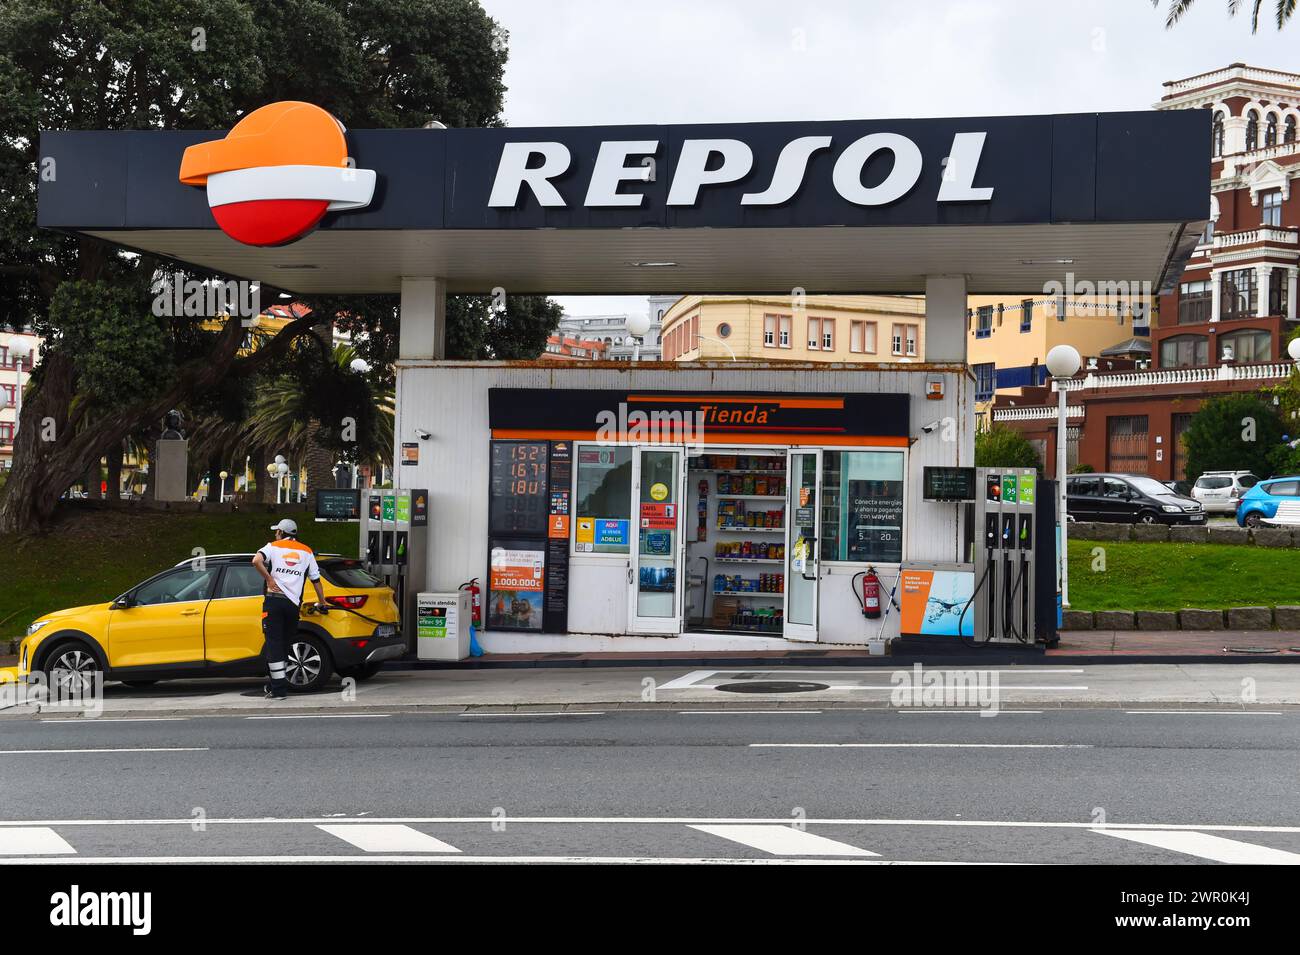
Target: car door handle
{"x":190,"y":613}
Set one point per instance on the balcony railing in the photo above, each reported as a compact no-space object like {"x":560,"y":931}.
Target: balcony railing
{"x":1035,"y":413}
{"x":1180,"y":376}
{"x":1277,"y":235}
{"x":1238,"y":72}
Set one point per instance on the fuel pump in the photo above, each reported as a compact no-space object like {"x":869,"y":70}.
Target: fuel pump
{"x":1004,"y":564}
{"x":394,"y":537}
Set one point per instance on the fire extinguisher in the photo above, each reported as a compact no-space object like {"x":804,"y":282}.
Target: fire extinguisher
{"x":476,"y":600}
{"x":870,"y":594}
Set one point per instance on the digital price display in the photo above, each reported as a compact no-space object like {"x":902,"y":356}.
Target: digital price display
{"x":338,"y":504}
{"x":520,"y":499}
{"x":948,"y":484}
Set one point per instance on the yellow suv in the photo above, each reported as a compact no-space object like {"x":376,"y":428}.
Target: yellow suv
{"x":203,"y":618}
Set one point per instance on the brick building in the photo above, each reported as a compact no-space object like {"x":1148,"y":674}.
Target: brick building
{"x":1224,"y":328}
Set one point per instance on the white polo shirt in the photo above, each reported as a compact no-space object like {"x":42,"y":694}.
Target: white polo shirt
{"x":290,"y":563}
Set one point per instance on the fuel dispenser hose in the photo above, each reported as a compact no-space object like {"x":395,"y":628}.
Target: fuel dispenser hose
{"x":310,"y":609}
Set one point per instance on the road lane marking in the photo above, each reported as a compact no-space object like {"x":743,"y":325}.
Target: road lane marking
{"x":1206,"y":846}
{"x":784,"y":840}
{"x":558,"y":713}
{"x":990,"y":712}
{"x":472,"y":860}
{"x":320,"y":716}
{"x":125,"y":749}
{"x":32,"y":841}
{"x":1202,"y":713}
{"x":387,"y":838}
{"x":92,"y":720}
{"x":748,"y":712}
{"x":920,"y":745}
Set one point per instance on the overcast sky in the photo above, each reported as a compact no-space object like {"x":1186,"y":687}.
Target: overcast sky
{"x":586,"y":62}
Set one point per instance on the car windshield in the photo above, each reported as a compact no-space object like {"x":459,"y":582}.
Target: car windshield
{"x":1149,"y":486}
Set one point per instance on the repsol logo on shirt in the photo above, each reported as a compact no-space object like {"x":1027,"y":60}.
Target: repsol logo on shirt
{"x":97,"y":909}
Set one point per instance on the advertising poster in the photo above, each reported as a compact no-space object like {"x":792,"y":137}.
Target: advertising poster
{"x":516,"y":586}
{"x":659,"y":517}
{"x":1027,"y":489}
{"x":932,"y":602}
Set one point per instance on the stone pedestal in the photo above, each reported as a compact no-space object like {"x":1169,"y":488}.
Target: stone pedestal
{"x":170,"y":466}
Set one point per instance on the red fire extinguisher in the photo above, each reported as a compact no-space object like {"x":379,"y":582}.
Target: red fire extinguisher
{"x":476,"y":599}
{"x":870,"y":594}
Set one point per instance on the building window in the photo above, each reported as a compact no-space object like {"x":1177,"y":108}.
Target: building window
{"x":1248,"y":345}
{"x":695,"y":331}
{"x":1252,"y":131}
{"x":1195,"y":302}
{"x":862,"y":506}
{"x":1027,"y":315}
{"x":814,"y":334}
{"x":8,"y":394}
{"x":905,"y":340}
{"x":6,"y":432}
{"x":1278,"y":292}
{"x":724,"y":330}
{"x":769,"y":331}
{"x":1237,"y":294}
{"x":1217,"y":134}
{"x":1184,"y":351}
{"x":1271,"y":213}
{"x":862,"y":338}
{"x":986,"y":377}
{"x":1207,"y":236}
{"x":1288,"y":134}
{"x":828,"y":334}
{"x":984,"y":321}
{"x":604,"y":500}
{"x":1270,"y":130}
{"x":783,"y":338}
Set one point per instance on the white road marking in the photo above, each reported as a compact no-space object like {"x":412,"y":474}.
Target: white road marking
{"x":32,"y":841}
{"x":387,"y":838}
{"x":92,"y":720}
{"x":695,"y":679}
{"x":473,"y":860}
{"x":1206,"y":846}
{"x":557,"y":713}
{"x":784,"y":841}
{"x":920,"y":745}
{"x":126,"y":749}
{"x":690,"y":679}
{"x":942,"y":712}
{"x":748,"y":712}
{"x":1202,"y":713}
{"x":321,"y":716}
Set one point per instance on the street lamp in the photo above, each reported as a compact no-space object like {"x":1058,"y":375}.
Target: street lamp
{"x":1063,"y":363}
{"x":359,"y":365}
{"x":637,"y":326}
{"x":224,"y":475}
{"x":1293,"y":349}
{"x":21,"y":352}
{"x":282,"y":470}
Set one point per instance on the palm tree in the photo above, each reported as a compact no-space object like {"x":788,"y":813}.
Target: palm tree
{"x":1282,"y":11}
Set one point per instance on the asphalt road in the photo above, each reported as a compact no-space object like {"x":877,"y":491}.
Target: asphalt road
{"x":1060,"y":785}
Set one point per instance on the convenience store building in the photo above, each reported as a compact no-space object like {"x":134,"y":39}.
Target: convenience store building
{"x":693,"y":505}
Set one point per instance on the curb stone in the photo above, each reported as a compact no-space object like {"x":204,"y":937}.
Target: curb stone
{"x":1157,"y":620}
{"x":1250,"y":618}
{"x":1201,"y":619}
{"x":1114,"y":619}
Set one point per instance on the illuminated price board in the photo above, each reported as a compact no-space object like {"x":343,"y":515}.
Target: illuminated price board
{"x":520,"y":490}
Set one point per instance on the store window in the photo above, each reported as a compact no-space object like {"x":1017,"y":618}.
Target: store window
{"x":1184,"y":351}
{"x":1248,"y":345}
{"x":603,"y":510}
{"x":1195,"y":302}
{"x":862,"y":338}
{"x":862,"y":506}
{"x":1271,"y":208}
{"x":1237,"y":294}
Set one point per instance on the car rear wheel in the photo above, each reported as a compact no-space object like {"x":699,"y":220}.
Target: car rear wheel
{"x":72,"y":669}
{"x":307,"y":664}
{"x":1254,"y":519}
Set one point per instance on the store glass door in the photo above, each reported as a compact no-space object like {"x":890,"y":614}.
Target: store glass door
{"x":803,"y":560}
{"x":655,"y":579}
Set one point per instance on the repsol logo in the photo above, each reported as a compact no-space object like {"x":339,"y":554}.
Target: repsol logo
{"x":715,"y":162}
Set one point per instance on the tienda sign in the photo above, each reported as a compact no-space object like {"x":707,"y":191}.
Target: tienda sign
{"x":277,"y":173}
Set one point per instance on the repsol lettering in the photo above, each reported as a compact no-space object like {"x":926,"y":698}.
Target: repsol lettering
{"x":712,"y":162}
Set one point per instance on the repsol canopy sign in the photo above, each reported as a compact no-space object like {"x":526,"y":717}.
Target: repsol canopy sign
{"x":1081,"y":168}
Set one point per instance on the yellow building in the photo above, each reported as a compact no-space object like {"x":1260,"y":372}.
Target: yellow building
{"x":868,"y":328}
{"x":1009,"y":337}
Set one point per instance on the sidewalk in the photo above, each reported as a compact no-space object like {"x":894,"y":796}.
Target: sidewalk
{"x":536,"y":690}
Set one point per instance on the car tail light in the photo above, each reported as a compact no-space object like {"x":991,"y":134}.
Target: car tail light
{"x":350,"y":602}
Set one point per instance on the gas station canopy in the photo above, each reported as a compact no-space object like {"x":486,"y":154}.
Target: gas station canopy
{"x":1012,"y":203}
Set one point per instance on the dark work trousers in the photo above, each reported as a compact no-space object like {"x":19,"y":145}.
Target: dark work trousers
{"x":279,"y":624}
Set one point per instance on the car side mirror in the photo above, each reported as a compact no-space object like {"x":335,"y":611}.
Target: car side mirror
{"x":122,"y":603}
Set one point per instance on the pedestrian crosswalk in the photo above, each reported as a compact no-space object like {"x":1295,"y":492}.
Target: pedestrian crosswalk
{"x":577,"y":840}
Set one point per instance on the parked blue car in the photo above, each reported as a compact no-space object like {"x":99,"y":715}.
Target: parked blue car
{"x":1276,"y":500}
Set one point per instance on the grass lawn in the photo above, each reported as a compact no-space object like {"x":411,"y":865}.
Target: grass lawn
{"x":95,"y":553}
{"x":1167,"y":576}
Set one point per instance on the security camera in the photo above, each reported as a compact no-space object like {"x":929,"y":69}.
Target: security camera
{"x":932,"y":427}
{"x":422,"y":434}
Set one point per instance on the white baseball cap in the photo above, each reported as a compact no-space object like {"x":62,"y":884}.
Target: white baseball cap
{"x":285,"y":526}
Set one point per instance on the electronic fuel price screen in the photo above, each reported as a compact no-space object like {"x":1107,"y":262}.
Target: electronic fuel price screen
{"x":519,"y":488}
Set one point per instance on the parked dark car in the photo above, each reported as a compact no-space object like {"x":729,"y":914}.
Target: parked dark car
{"x":1129,"y":499}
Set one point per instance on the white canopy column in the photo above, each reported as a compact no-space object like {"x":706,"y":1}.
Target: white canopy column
{"x":423,"y":318}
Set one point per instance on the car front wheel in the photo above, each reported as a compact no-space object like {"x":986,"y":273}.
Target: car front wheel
{"x":73,"y":670}
{"x":1147,"y":517}
{"x":307,"y":665}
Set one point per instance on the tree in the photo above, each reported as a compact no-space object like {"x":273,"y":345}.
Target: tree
{"x":109,"y":368}
{"x":1003,"y":447}
{"x":1233,"y":433}
{"x":1282,"y":11}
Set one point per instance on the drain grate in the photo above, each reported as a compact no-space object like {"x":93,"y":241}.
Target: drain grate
{"x":772,"y":686}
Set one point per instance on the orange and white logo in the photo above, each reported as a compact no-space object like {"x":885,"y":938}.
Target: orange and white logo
{"x":277,"y":173}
